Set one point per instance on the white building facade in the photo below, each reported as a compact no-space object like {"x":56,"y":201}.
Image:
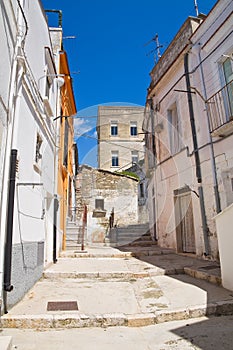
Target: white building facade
{"x":189,"y":134}
{"x":29,"y":101}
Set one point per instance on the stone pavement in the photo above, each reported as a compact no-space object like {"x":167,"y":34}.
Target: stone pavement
{"x":113,"y":288}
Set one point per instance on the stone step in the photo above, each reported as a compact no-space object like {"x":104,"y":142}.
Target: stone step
{"x":74,"y":226}
{"x":5,"y":343}
{"x":73,"y":245}
{"x":132,"y":241}
{"x":143,"y":243}
{"x":72,"y":235}
{"x":77,"y":320}
{"x":85,"y":254}
{"x":132,"y":230}
{"x":133,"y":234}
{"x":131,"y":238}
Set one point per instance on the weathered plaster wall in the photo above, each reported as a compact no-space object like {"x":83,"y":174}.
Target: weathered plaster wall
{"x":118,"y":192}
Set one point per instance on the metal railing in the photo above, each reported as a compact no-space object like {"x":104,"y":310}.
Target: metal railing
{"x":220,"y":107}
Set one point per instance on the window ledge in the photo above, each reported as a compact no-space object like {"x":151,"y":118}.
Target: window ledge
{"x":99,"y":213}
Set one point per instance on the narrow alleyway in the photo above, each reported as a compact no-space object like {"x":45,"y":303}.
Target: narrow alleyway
{"x":105,"y":287}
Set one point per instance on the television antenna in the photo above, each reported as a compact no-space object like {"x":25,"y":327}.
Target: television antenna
{"x":155,"y":39}
{"x":196,"y":8}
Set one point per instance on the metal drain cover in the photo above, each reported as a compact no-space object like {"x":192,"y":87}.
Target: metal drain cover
{"x":62,"y":306}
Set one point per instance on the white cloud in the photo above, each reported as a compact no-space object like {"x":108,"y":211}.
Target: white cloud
{"x":95,"y":134}
{"x":83,"y":125}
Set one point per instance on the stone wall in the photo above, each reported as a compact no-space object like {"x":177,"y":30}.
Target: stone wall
{"x":119,"y":194}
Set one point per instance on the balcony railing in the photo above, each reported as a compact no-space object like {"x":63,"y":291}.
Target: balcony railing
{"x":220,"y":107}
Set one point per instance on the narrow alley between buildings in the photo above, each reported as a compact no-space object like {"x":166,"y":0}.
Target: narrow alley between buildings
{"x":131,"y":287}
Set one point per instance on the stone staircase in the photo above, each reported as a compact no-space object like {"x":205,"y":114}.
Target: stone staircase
{"x":74,"y":236}
{"x":131,"y":235}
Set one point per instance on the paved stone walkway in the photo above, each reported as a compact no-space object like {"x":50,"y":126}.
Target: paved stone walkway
{"x":113,"y":288}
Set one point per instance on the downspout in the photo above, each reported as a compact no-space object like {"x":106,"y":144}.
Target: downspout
{"x":55,"y":209}
{"x":10,"y":214}
{"x":155,"y":231}
{"x":212,"y":157}
{"x":196,"y":155}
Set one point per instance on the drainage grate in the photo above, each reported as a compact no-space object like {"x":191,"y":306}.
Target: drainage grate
{"x":62,"y":306}
{"x":208,"y":267}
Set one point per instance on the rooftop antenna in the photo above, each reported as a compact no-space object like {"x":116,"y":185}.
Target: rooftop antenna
{"x":196,"y":8}
{"x":157,"y":48}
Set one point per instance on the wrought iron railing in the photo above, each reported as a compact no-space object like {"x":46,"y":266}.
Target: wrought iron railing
{"x":220,"y":107}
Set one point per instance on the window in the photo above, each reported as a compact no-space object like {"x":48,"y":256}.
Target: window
{"x":38,"y":147}
{"x":174,"y":128}
{"x":227,"y":180}
{"x":50,"y":72}
{"x":99,"y":204}
{"x":141,"y":190}
{"x":99,"y":211}
{"x":134,"y":155}
{"x":228,"y":77}
{"x":115,"y":158}
{"x":48,"y":86}
{"x":133,"y":129}
{"x":114,"y":128}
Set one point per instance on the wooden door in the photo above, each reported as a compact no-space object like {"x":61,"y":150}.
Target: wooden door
{"x":184,"y":222}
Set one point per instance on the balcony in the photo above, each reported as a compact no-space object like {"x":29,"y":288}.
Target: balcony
{"x":220,"y":107}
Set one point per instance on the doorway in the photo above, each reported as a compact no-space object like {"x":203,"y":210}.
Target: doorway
{"x":185,"y":234}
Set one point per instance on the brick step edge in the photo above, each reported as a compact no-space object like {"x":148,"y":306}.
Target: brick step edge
{"x":203,"y":275}
{"x":85,"y":254}
{"x":77,"y":253}
{"x":124,"y":275}
{"x":69,"y":320}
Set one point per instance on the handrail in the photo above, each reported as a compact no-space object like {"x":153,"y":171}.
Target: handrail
{"x":84,"y":225}
{"x":220,"y":107}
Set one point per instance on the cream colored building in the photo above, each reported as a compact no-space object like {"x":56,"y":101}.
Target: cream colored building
{"x":188,"y":122}
{"x":120,"y":137}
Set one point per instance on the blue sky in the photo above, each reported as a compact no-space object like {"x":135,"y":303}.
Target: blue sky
{"x":109,"y":59}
